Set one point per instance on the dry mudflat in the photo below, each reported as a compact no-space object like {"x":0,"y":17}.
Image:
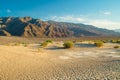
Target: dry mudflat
{"x":84,"y":62}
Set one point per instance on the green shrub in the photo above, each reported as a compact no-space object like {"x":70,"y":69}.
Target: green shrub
{"x":25,"y":45}
{"x":8,"y":44}
{"x":74,"y":41}
{"x":44,"y":44}
{"x":104,"y":41}
{"x":116,"y":46}
{"x":98,"y":44}
{"x":118,"y":41}
{"x":49,"y":41}
{"x":16,"y":44}
{"x":114,"y":41}
{"x":68,"y":45}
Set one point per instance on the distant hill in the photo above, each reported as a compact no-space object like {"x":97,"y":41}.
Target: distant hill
{"x":30,"y":27}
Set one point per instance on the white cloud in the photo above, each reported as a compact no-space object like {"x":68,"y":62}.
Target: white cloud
{"x":106,"y":12}
{"x":8,"y":11}
{"x":102,"y":23}
{"x":67,"y":19}
{"x":105,"y":24}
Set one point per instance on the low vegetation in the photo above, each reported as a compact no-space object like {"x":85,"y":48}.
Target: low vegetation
{"x":104,"y":41}
{"x":118,"y":41}
{"x":98,"y":44}
{"x":115,"y":41}
{"x":68,"y":44}
{"x":49,"y":41}
{"x":116,"y":46}
{"x":44,"y":44}
{"x":16,"y":44}
{"x":25,"y":44}
{"x":74,"y":41}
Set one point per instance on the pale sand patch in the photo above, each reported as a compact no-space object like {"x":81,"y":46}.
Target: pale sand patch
{"x":64,"y":57}
{"x":78,"y":54}
{"x":112,"y":52}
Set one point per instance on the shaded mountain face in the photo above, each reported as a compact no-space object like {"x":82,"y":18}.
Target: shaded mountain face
{"x":29,"y":27}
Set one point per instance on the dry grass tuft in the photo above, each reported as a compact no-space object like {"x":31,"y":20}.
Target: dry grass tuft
{"x":98,"y":44}
{"x":68,"y":44}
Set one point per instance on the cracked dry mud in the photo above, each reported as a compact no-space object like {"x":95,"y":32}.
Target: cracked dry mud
{"x":25,"y":63}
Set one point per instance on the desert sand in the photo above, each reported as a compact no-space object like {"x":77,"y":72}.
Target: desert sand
{"x":84,"y":62}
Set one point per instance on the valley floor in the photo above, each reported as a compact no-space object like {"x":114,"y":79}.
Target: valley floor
{"x":53,"y":63}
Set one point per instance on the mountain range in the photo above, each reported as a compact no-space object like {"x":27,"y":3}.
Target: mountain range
{"x":30,"y":27}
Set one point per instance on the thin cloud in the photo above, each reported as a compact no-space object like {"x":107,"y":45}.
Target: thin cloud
{"x":67,"y":18}
{"x":106,"y":12}
{"x":8,"y":11}
{"x":105,"y":24}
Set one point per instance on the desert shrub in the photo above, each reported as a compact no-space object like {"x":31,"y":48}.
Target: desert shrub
{"x":49,"y":41}
{"x":98,"y":44}
{"x":25,"y":44}
{"x":16,"y":44}
{"x":116,"y":46}
{"x":104,"y":41}
{"x":8,"y":44}
{"x":118,"y":41}
{"x":114,"y":41}
{"x":74,"y":41}
{"x":81,"y":41}
{"x":44,"y":44}
{"x":68,"y":45}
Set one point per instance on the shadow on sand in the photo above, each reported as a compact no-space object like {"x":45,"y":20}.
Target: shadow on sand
{"x":84,"y":45}
{"x":54,"y":48}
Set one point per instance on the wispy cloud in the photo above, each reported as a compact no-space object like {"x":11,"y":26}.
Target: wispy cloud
{"x":67,"y":18}
{"x":101,"y":23}
{"x":105,"y":24}
{"x":8,"y":11}
{"x":106,"y":12}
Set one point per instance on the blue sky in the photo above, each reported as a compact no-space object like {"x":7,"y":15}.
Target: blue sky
{"x":101,"y":13}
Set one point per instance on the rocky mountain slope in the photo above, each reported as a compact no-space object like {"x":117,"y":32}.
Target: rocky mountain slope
{"x":29,"y":27}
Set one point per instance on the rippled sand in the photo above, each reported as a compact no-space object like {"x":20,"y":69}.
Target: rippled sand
{"x":26,"y":63}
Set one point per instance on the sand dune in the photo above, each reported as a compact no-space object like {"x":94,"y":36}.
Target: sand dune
{"x":26,"y":63}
